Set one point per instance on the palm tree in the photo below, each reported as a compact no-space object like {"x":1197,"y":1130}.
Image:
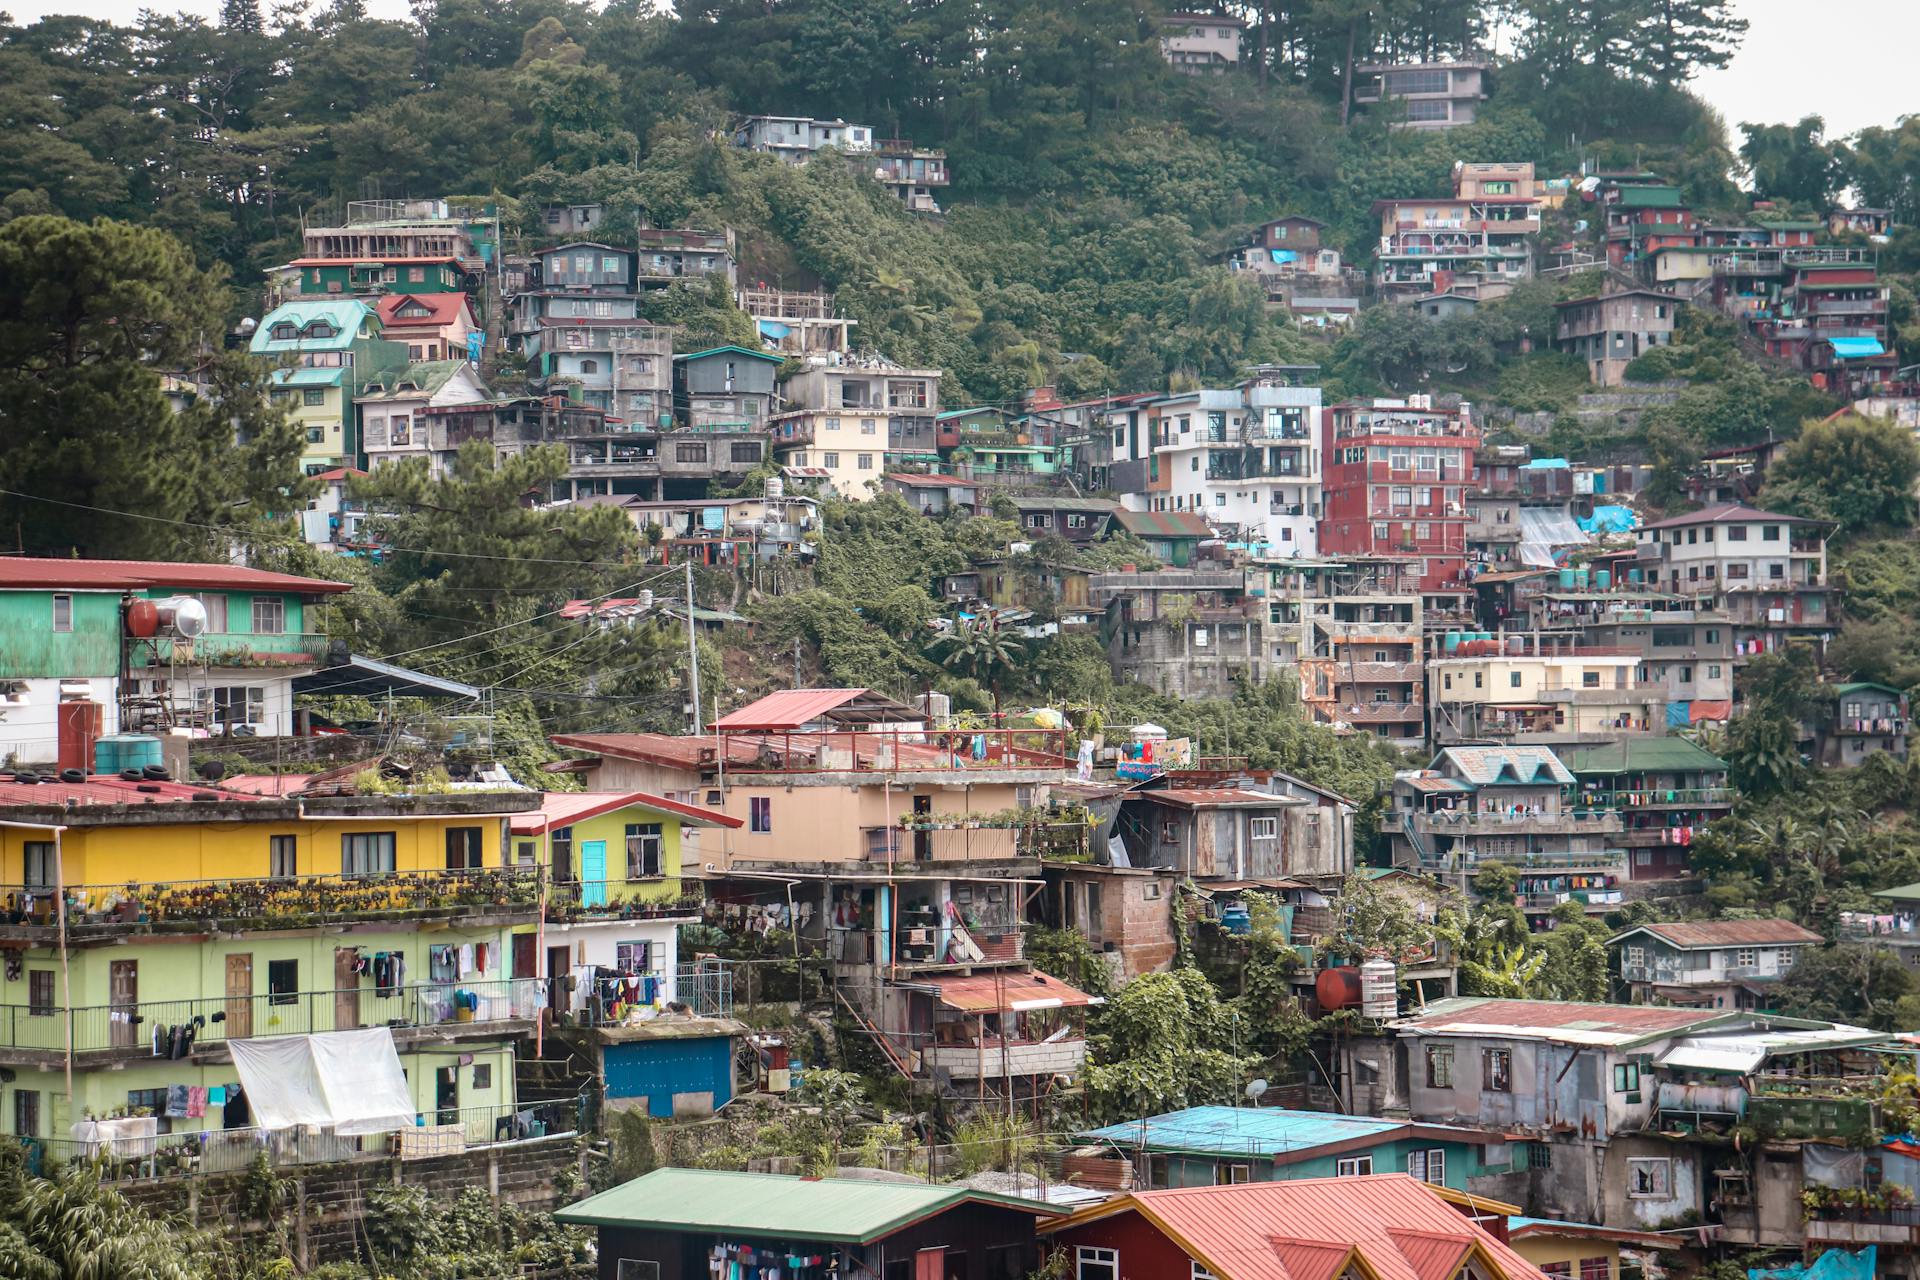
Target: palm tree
{"x":70,"y":1226}
{"x":983,"y":652}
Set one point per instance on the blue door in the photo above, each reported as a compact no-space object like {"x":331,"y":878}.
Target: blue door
{"x":593,"y":873}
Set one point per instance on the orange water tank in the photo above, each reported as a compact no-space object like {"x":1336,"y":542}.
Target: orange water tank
{"x":79,"y":728}
{"x":143,"y":618}
{"x":1337,"y":989}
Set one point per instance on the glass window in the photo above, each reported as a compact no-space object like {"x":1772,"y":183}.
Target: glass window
{"x":1353,"y":1167}
{"x":1496,"y":1070}
{"x":1439,"y":1066}
{"x":1649,"y":1178}
{"x":644,"y":845}
{"x":283,"y":861}
{"x":760,"y":814}
{"x":1263,"y":828}
{"x":1428,"y":1166}
{"x":1626,"y":1075}
{"x":463,"y":848}
{"x":38,"y":863}
{"x":366,"y":853}
{"x":312,"y":398}
{"x":63,"y":613}
{"x":269,"y":615}
{"x":1096,"y":1264}
{"x":283,"y":981}
{"x":40,"y":993}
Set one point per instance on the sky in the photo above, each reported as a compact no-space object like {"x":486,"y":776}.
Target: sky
{"x":1789,"y":67}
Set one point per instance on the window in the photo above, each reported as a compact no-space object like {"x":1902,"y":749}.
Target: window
{"x":231,"y":704}
{"x":1557,"y":1269}
{"x":1227,"y":1175}
{"x":1496,"y":1070}
{"x":1589,"y":679}
{"x":1439,"y":1066}
{"x":747,"y":451}
{"x":283,"y":860}
{"x":1513,"y":679}
{"x":644,"y":843}
{"x":1737,"y":572}
{"x":831,"y":461}
{"x":1199,"y":1272}
{"x":1428,"y":1166}
{"x":562,"y":842}
{"x":399,"y":431}
{"x":1170,"y":833}
{"x":154,"y":1103}
{"x":463,"y":848}
{"x":366,"y":853}
{"x":1599,"y":1267}
{"x":321,"y":329}
{"x":864,"y":462}
{"x":1746,"y":956}
{"x":589,"y":366}
{"x":283,"y":981}
{"x":284,"y":331}
{"x":760,"y":814}
{"x":1151,"y":893}
{"x":695,"y":451}
{"x":1649,"y":1178}
{"x":1770,"y":533}
{"x":26,"y":1112}
{"x":1736,"y":533}
{"x":1353,"y":1167}
{"x":269,"y":615}
{"x":63,"y":614}
{"x":1713,"y":671}
{"x":1263,"y":828}
{"x":1427,"y":109}
{"x":1096,"y":1264}
{"x":1626,"y":1077}
{"x":38,"y":863}
{"x":313,"y":397}
{"x":40,"y":993}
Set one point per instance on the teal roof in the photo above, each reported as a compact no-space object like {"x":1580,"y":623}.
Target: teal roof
{"x":1491,"y":766}
{"x":1267,"y":1132}
{"x":307,"y":377}
{"x":1860,"y":686}
{"x":964,"y":413}
{"x":774,"y":1206}
{"x":346,"y":315}
{"x":714,"y":351}
{"x":1856,"y":348}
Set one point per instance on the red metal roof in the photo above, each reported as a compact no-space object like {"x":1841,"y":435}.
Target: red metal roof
{"x":1587,"y":1023}
{"x":563,"y":808}
{"x":108,"y":575}
{"x":1730,"y":933}
{"x":991,"y":992}
{"x":793,"y":708}
{"x":1400,"y":1228}
{"x":382,"y":259}
{"x":107,"y":789}
{"x":445,"y":307}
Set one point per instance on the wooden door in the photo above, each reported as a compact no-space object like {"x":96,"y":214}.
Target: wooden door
{"x":526,"y":955}
{"x":123,"y":995}
{"x":239,"y":997}
{"x":922,"y":838}
{"x":346,"y":989}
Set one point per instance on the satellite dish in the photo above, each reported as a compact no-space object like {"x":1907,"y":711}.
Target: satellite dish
{"x":1256,"y":1089}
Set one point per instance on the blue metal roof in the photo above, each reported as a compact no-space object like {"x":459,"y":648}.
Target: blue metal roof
{"x":344,"y":315}
{"x":1243,"y":1131}
{"x":307,"y":377}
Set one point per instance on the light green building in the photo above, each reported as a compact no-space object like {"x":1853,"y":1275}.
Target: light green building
{"x":330,"y":351}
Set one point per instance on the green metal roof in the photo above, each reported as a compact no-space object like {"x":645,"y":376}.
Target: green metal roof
{"x":1795,"y":225}
{"x":307,"y":377}
{"x":1860,"y":686}
{"x":1901,"y":893}
{"x":426,"y":375}
{"x":1650,"y":198}
{"x":1640,"y":755}
{"x":775,"y":1207}
{"x":1164,"y":524}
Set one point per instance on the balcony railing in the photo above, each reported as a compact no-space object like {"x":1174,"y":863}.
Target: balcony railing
{"x":133,"y":1028}
{"x":1662,"y":797}
{"x":1442,"y":821}
{"x":905,"y":751}
{"x":1467,"y":859}
{"x":599,"y":900}
{"x":245,"y":649}
{"x":211,"y":1151}
{"x":299,"y":901}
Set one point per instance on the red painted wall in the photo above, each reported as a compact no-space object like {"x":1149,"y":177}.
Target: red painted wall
{"x":1145,"y":1254}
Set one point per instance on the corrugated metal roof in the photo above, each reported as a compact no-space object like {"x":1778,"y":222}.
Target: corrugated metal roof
{"x":1401,"y":1229}
{"x":1640,"y":755}
{"x":675,"y":751}
{"x":775,"y":1207}
{"x":443,"y":308}
{"x":1486,"y":766}
{"x":308,"y":377}
{"x":563,"y":808}
{"x":109,"y":789}
{"x":988,"y":992}
{"x":1724,"y":511}
{"x":1518,"y":1225}
{"x":25,"y":573}
{"x":1727,"y":933}
{"x":1560,"y":1021}
{"x":1164,"y":524}
{"x":1218,"y":798}
{"x":1259,"y":1131}
{"x":793,"y":708}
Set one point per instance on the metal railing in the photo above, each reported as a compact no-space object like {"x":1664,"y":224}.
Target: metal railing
{"x":599,"y":900}
{"x":908,"y":750}
{"x":179,"y":1028}
{"x":272,"y":899}
{"x":1652,"y":797}
{"x":215,"y":1151}
{"x":1445,"y":821}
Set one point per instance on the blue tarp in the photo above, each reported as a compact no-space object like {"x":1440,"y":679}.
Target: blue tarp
{"x":1856,"y":348}
{"x":1284,"y":255}
{"x":1610,"y":520}
{"x":1679,"y":715}
{"x":1547,"y":464}
{"x":1834,"y":1264}
{"x":774,"y":329}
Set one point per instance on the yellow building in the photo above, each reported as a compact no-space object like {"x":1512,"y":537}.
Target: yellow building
{"x":145,"y":924}
{"x":1581,"y":1251}
{"x":1540,"y":683}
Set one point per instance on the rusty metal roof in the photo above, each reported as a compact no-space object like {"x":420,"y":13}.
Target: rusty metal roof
{"x":60,"y":574}
{"x":564,"y":808}
{"x":1219,"y":798}
{"x":1559,"y":1021}
{"x":993,"y":992}
{"x":1727,"y":933}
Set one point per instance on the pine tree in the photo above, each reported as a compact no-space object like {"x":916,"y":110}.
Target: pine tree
{"x":243,"y":16}
{"x":1679,"y":38}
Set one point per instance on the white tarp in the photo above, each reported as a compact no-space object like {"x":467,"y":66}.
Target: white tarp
{"x":346,"y":1081}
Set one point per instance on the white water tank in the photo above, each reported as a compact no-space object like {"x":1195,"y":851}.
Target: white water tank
{"x":776,"y":487}
{"x":1379,"y":990}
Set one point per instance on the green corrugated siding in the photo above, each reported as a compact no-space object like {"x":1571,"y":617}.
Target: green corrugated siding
{"x":29,"y":647}
{"x":764,"y":1205}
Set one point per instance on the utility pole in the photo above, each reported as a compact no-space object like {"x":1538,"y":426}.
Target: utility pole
{"x":693,"y":652}
{"x":796,"y":662}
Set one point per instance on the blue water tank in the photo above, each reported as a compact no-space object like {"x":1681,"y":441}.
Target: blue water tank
{"x":1602,"y":578}
{"x":1453,"y":642}
{"x":120,"y":751}
{"x":1580,"y":578}
{"x":1566,"y":579}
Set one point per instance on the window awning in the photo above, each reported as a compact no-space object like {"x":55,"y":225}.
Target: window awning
{"x":1009,"y":992}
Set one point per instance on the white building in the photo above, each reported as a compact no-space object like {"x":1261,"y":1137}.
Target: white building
{"x":795,"y":138}
{"x":1201,"y":42}
{"x":1246,"y":458}
{"x":390,"y":423}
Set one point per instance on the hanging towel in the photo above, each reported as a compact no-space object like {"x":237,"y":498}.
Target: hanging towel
{"x":466,"y":959}
{"x":196,"y":1101}
{"x":177,"y":1101}
{"x":217,"y":1096}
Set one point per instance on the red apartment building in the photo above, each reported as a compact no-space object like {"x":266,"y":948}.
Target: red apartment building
{"x":1395,"y":484}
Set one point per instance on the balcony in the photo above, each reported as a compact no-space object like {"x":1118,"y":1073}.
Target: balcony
{"x":1562,"y":860}
{"x":903,"y":751}
{"x":239,"y":650}
{"x":38,"y":1036}
{"x":1383,"y":713}
{"x":568,"y":901}
{"x":1570,"y":821}
{"x":193,"y":906}
{"x":1589,"y":697}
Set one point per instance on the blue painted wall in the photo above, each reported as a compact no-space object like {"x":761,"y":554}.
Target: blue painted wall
{"x":658,"y":1069}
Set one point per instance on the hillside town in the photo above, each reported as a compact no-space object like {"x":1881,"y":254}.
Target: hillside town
{"x":708,"y":708}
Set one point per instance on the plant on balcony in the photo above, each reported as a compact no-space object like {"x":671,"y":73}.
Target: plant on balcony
{"x":1819,"y":1201}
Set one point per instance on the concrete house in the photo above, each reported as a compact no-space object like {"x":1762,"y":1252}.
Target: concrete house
{"x":1710,"y":964}
{"x":725,"y":386}
{"x":1435,"y":95}
{"x":1866,"y":718}
{"x":432,"y":326}
{"x":847,"y":418}
{"x":1609,"y":331}
{"x":1766,"y":572}
{"x":331,"y":349}
{"x":1201,"y":43}
{"x":391,"y":408}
